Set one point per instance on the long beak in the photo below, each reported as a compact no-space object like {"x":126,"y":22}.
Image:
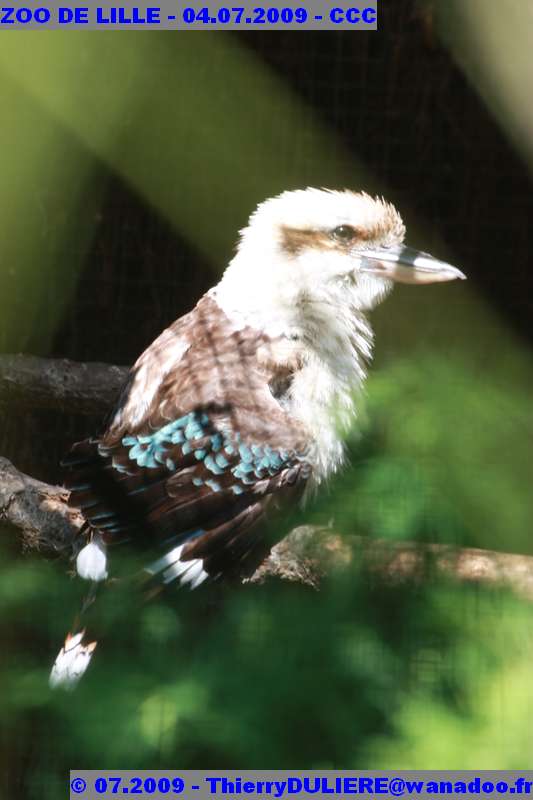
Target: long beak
{"x":405,"y":265}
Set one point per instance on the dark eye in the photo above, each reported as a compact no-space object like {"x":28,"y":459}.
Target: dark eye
{"x":344,"y":233}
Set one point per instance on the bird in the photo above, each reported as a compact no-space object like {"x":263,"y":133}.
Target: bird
{"x":241,"y":408}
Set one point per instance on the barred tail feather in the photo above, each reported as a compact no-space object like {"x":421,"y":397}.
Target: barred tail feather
{"x":71,"y":662}
{"x":91,"y":563}
{"x":190,"y":573}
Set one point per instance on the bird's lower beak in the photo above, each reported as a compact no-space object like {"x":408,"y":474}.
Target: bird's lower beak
{"x":405,"y":265}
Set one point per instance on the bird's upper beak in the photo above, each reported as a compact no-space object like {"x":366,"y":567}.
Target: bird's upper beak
{"x":406,"y":265}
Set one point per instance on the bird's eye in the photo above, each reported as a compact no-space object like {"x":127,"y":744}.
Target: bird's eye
{"x":344,"y":233}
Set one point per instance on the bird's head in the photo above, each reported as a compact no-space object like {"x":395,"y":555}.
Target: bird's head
{"x":315,"y":247}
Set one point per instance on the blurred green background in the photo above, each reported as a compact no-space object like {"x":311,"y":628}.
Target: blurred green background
{"x":128,"y":165}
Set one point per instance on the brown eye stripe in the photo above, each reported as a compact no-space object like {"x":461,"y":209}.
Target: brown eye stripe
{"x":294,"y":240}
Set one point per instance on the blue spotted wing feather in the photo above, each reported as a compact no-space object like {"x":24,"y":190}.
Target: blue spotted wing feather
{"x":186,"y":484}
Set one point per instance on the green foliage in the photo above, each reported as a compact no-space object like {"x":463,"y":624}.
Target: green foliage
{"x":361,"y":674}
{"x":441,"y":455}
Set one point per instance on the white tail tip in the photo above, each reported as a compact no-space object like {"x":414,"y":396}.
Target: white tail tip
{"x":91,"y":562}
{"x":72,"y":661}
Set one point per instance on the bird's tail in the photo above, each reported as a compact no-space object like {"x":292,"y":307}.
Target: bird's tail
{"x":72,"y":661}
{"x":76,"y":654}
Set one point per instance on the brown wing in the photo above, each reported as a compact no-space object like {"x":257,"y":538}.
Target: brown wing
{"x":197,"y":455}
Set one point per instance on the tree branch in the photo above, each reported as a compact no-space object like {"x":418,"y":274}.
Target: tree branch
{"x":310,"y":553}
{"x":37,"y":510}
{"x":78,"y":388}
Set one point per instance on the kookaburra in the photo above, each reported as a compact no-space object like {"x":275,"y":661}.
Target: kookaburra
{"x":241,"y":406}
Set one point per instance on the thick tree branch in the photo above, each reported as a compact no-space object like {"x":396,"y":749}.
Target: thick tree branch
{"x":31,"y":382}
{"x":37,"y":510}
{"x":309,"y":553}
